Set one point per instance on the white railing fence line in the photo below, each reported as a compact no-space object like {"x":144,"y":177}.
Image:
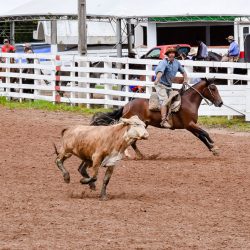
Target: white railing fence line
{"x":105,"y":80}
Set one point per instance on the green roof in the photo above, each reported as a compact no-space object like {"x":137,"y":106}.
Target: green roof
{"x":194,"y":19}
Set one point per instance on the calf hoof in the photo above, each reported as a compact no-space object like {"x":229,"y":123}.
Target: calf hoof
{"x":87,"y":180}
{"x":103,"y":198}
{"x":66,"y":177}
{"x":92,"y":186}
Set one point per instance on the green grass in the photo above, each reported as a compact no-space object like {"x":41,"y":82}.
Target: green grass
{"x":236,"y":124}
{"x":44,"y":105}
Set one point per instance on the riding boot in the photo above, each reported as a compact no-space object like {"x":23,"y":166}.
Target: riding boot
{"x":164,"y":122}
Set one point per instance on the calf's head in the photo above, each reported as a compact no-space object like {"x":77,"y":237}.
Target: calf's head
{"x":136,"y":129}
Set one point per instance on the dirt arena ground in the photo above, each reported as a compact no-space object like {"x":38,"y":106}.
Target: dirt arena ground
{"x":184,"y":199}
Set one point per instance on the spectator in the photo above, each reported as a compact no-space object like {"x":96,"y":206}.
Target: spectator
{"x":202,"y":52}
{"x":7,"y":48}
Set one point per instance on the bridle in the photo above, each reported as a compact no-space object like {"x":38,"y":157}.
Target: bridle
{"x":209,"y":103}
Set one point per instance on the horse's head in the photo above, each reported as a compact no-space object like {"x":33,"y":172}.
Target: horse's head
{"x":212,"y":94}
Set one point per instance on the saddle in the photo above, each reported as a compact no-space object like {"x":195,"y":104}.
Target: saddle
{"x":173,"y":103}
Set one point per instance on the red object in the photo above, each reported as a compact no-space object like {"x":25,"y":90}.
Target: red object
{"x":8,"y":49}
{"x":242,"y":54}
{"x":57,"y":88}
{"x":164,"y":48}
{"x":58,"y":78}
{"x":58,"y":68}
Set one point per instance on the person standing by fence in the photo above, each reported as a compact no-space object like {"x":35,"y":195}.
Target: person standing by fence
{"x":7,"y":48}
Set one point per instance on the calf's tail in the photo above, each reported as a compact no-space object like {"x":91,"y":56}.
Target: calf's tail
{"x":105,"y":119}
{"x":56,"y":151}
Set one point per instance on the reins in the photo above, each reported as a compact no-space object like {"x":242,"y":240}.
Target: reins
{"x":202,"y":96}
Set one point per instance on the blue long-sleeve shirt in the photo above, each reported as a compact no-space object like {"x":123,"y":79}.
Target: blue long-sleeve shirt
{"x":169,"y":70}
{"x":234,"y":49}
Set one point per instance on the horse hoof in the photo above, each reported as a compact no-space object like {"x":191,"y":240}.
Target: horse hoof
{"x":87,"y":180}
{"x":66,"y":177}
{"x":215,"y":151}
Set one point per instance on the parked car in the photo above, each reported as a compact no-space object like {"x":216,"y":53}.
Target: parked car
{"x":158,"y":52}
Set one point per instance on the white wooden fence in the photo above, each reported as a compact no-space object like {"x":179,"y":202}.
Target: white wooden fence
{"x":105,"y":81}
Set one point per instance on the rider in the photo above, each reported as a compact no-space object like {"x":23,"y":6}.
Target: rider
{"x":165,"y":73}
{"x":233,"y":51}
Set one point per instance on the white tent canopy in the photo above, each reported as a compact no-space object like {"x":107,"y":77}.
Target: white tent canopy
{"x":129,"y":8}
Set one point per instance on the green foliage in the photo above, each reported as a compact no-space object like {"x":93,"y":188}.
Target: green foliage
{"x":44,"y":105}
{"x":237,"y":123}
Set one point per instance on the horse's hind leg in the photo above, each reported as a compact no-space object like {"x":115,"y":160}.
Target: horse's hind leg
{"x":59,"y":162}
{"x":83,"y":171}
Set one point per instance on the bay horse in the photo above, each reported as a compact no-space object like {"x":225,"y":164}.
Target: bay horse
{"x":185,"y":118}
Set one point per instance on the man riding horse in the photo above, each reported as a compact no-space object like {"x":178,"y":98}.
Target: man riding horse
{"x":165,"y":73}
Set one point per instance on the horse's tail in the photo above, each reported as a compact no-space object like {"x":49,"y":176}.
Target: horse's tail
{"x":105,"y":119}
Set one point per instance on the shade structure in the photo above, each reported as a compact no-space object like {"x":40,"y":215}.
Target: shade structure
{"x":128,"y":8}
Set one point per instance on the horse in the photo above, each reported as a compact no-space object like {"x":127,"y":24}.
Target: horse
{"x":185,"y":118}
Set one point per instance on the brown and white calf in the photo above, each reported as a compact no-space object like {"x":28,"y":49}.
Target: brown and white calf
{"x":99,"y":146}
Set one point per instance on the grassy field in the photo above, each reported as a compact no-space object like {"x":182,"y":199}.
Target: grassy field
{"x":236,"y":124}
{"x":44,"y":105}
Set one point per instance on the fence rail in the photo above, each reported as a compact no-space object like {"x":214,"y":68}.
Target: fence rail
{"x":105,"y":80}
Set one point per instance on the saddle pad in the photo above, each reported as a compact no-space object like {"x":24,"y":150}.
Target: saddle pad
{"x":174,"y":102}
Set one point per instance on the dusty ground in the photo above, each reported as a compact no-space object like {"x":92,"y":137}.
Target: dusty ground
{"x":185,"y":199}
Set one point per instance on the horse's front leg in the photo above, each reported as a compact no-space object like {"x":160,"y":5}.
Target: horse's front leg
{"x":203,"y":136}
{"x":106,"y":179}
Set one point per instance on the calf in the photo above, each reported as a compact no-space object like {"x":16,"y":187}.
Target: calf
{"x":99,"y":146}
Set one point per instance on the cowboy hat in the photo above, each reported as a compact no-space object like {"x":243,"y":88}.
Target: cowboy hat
{"x":230,"y":38}
{"x":171,"y":50}
{"x":192,"y":52}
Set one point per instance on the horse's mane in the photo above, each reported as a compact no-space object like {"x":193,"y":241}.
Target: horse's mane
{"x":196,"y":84}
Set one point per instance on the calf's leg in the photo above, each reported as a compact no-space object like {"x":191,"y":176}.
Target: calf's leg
{"x":59,"y":162}
{"x":106,"y":179}
{"x":96,"y":164}
{"x":83,"y":171}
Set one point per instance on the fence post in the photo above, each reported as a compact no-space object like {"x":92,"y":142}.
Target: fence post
{"x":247,"y":117}
{"x":20,"y":78}
{"x":72,"y":83}
{"x":107,"y":87}
{"x":88,"y":95}
{"x":126,"y":87}
{"x":230,"y":71}
{"x":7,"y":79}
{"x":36,"y":82}
{"x":148,"y":79}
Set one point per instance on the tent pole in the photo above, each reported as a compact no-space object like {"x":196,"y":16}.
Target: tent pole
{"x":129,"y":34}
{"x":119,"y":37}
{"x":53,"y":36}
{"x":12,"y":32}
{"x":82,"y":30}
